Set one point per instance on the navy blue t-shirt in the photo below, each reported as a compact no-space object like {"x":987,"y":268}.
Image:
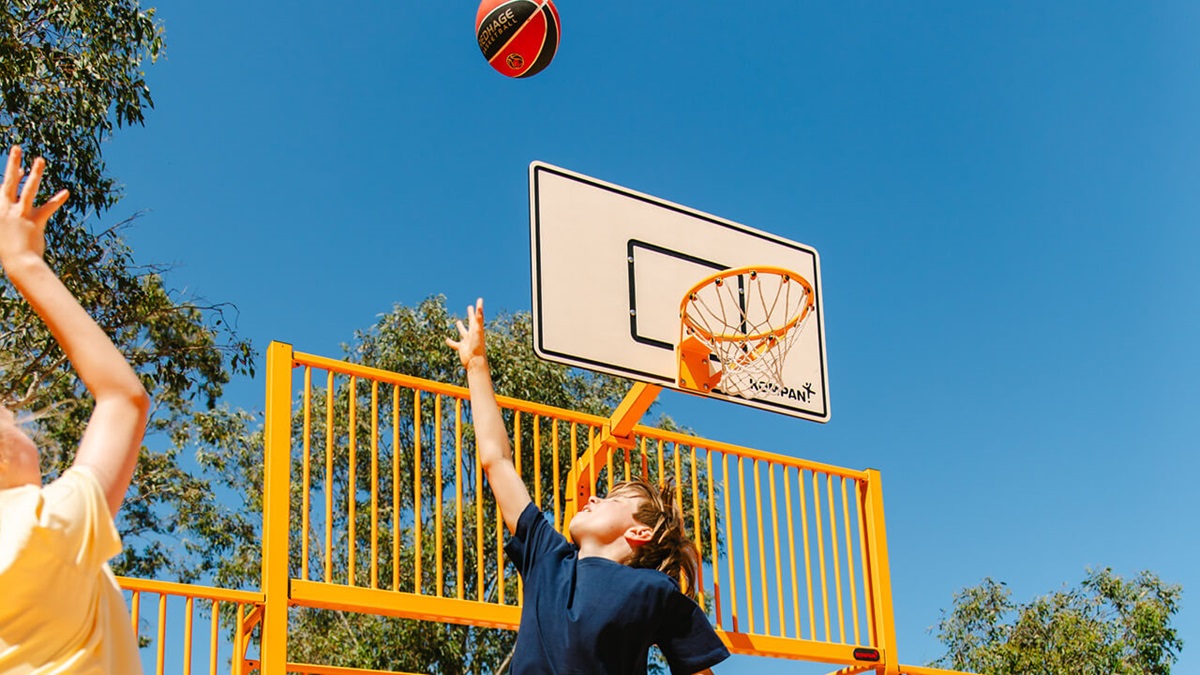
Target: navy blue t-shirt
{"x":598,"y":616}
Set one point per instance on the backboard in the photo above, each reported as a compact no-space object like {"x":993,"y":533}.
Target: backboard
{"x":611,"y":267}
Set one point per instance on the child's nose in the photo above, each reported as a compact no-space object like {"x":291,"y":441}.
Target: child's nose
{"x":593,"y":500}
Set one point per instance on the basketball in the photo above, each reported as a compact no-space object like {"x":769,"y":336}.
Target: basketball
{"x":517,"y":37}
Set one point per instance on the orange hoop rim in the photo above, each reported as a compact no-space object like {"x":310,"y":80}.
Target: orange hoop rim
{"x":753,"y":270}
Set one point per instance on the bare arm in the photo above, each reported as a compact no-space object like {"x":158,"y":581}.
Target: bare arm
{"x":491,"y":437}
{"x":114,"y":433}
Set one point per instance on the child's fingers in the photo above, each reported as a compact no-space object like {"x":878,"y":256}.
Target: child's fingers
{"x":30,"y":189}
{"x":42,"y":213}
{"x":475,"y":315}
{"x":12,"y":173}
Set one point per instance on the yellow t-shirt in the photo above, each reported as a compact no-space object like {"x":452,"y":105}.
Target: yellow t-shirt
{"x":60,"y":608}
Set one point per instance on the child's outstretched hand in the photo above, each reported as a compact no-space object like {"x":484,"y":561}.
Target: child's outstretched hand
{"x":470,"y":344}
{"x":23,"y":225}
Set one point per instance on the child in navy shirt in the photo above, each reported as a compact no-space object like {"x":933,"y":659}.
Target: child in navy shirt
{"x":598,"y":606}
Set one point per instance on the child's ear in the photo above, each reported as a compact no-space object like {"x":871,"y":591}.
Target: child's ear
{"x":639,"y":534}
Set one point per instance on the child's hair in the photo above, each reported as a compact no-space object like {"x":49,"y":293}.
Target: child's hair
{"x":669,"y":550}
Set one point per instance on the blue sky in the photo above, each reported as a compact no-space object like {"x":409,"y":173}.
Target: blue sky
{"x":1003,"y":196}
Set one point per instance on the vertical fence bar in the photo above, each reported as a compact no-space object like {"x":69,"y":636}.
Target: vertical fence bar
{"x":661,"y":473}
{"x":374,"y":484}
{"x":712,"y":534}
{"x":212,"y":640}
{"x":554,"y":471}
{"x":188,"y":608}
{"x":762,"y":555}
{"x":837,"y":564}
{"x":329,"y":396}
{"x":678,"y":480}
{"x":741,"y":463}
{"x":729,"y":546}
{"x":304,"y":507}
{"x":352,"y":490}
{"x":696,"y":535}
{"x":573,"y":478}
{"x":537,"y":460}
{"x":775,"y":539}
{"x":791,"y":530}
{"x":458,"y":503}
{"x":162,"y":630}
{"x":517,"y":447}
{"x":498,"y":527}
{"x":239,"y":641}
{"x":817,"y":519}
{"x":608,"y":470}
{"x":812,"y":617}
{"x":395,"y":487}
{"x":850,"y":564}
{"x":417,"y":575}
{"x":478,"y":523}
{"x":438,"y":522}
{"x":135,"y":610}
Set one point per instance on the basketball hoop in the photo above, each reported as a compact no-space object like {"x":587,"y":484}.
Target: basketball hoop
{"x":748,"y":318}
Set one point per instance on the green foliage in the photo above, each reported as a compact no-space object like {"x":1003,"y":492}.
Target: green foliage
{"x":1106,"y":626}
{"x":69,"y":72}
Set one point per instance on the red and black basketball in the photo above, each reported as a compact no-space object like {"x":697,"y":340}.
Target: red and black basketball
{"x":518,"y":37}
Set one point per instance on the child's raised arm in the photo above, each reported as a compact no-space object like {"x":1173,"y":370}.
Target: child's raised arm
{"x":491,"y":437}
{"x":114,"y":433}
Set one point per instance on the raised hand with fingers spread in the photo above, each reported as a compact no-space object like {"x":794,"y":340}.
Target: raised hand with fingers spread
{"x":22,"y":224}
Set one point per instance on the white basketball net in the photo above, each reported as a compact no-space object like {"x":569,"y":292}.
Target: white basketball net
{"x":750,"y":317}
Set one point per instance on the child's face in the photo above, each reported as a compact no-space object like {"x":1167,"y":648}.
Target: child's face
{"x":18,"y":454}
{"x":606,"y":520}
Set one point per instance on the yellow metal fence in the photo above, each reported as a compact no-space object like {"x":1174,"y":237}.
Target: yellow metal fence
{"x":388,"y":513}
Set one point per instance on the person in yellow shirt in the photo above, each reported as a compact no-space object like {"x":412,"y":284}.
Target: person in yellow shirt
{"x":60,"y":608}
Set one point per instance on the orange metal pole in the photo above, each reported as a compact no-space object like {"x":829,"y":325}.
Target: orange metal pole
{"x":881,"y":579}
{"x":276,"y":508}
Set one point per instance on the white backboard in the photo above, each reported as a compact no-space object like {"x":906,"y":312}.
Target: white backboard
{"x":610,"y":268}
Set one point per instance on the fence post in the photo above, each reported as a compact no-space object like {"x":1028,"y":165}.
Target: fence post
{"x":880,"y":575}
{"x":276,"y":507}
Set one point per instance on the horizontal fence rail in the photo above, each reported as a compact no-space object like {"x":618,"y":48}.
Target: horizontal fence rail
{"x":390,"y":514}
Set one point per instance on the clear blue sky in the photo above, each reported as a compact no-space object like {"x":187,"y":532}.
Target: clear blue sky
{"x":1004,"y":196}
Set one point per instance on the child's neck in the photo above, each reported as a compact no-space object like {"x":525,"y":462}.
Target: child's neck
{"x":617,"y":551}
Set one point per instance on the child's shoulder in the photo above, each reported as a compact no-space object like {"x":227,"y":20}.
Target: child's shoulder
{"x":651,"y":579}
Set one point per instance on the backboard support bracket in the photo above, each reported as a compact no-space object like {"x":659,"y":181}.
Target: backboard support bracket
{"x":695,"y":366}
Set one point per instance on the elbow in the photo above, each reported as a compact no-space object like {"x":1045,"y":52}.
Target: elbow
{"x":141,"y":401}
{"x":132,"y":397}
{"x":491,"y":455}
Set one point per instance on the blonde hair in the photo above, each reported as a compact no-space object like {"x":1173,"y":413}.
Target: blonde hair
{"x":669,"y":550}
